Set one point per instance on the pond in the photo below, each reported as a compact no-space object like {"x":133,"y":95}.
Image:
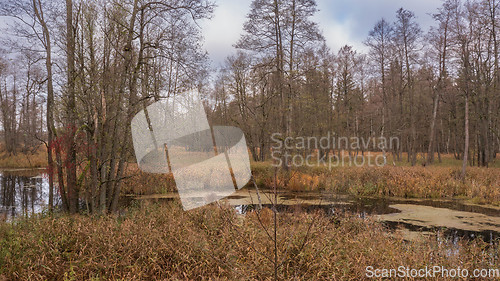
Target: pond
{"x":24,"y":192}
{"x":453,"y":218}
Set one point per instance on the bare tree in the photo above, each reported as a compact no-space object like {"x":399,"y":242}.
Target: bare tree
{"x":407,"y":32}
{"x":280,"y":37}
{"x":440,"y":38}
{"x":379,"y":40}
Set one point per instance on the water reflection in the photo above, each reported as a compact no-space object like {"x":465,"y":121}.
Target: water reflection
{"x":453,"y":218}
{"x":22,"y":193}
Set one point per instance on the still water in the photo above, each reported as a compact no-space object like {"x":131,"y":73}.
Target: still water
{"x":25,"y":192}
{"x":22,"y":192}
{"x":453,"y":218}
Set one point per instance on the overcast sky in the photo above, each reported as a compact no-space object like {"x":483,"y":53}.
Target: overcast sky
{"x":342,"y":21}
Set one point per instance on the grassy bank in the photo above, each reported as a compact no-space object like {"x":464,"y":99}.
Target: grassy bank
{"x":20,"y":160}
{"x":482,"y":185}
{"x":163,"y":242}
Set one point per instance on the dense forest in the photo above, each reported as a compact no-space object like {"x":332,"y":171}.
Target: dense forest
{"x":74,"y":73}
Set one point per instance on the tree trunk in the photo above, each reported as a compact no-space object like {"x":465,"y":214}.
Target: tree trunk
{"x":466,"y":148}
{"x":71,"y":111}
{"x":37,"y":7}
{"x":430,"y":150}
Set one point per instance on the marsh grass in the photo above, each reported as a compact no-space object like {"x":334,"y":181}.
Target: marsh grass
{"x":138,"y":182}
{"x":35,"y":159}
{"x":482,"y":185}
{"x":152,"y":242}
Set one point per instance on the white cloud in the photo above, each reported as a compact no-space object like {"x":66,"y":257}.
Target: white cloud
{"x":225,"y":28}
{"x":342,"y":22}
{"x":337,"y":34}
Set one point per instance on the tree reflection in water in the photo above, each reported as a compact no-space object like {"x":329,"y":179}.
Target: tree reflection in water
{"x":22,"y":193}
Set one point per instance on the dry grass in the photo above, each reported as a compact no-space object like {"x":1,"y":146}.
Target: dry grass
{"x":447,"y":160}
{"x":482,"y":185}
{"x":38,"y":159}
{"x":140,"y":183}
{"x":162,"y":242}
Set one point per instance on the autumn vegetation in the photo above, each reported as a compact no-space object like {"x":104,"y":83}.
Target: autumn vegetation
{"x":442,"y":182}
{"x":74,"y":73}
{"x":37,"y":158}
{"x":163,"y":242}
{"x":433,"y":90}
